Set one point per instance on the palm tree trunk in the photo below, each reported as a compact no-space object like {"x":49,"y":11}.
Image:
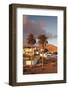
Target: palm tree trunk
{"x":31,"y":57}
{"x":42,"y":61}
{"x":42,"y":55}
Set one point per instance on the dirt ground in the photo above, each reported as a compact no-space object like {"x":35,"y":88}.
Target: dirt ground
{"x":50,"y":67}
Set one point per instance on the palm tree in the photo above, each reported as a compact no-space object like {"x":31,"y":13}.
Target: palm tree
{"x":31,"y":41}
{"x":42,"y":42}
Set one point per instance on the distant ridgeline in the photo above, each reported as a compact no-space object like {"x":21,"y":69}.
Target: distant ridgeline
{"x":51,"y":48}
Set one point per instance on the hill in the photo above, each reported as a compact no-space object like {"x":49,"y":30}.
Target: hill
{"x":51,"y":48}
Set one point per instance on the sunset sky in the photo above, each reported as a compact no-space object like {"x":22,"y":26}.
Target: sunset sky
{"x":40,"y":25}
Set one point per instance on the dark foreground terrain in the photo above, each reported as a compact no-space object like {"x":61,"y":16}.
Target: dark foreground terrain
{"x":49,"y":66}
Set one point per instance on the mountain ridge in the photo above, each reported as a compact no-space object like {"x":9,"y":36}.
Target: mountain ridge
{"x":51,"y":48}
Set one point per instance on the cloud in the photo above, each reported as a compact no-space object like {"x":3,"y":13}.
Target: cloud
{"x":36,"y":27}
